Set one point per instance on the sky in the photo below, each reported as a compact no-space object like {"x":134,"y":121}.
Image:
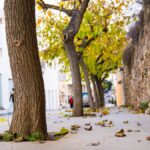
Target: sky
{"x":136,"y":7}
{"x":48,"y":1}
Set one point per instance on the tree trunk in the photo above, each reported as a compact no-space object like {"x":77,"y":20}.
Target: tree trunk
{"x":102,"y":100}
{"x":95,"y":92}
{"x":76,"y":78}
{"x":86,"y":77}
{"x":100,"y":91}
{"x":29,"y":104}
{"x":68,"y":36}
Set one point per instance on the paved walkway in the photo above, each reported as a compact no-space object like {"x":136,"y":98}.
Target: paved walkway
{"x":83,"y":139}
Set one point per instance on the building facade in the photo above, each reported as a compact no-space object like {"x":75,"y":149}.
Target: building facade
{"x":136,"y":61}
{"x":50,"y":75}
{"x":6,"y":83}
{"x":58,"y":86}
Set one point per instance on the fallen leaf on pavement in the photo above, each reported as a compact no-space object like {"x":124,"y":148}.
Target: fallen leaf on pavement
{"x":105,"y":123}
{"x":138,"y":124}
{"x":87,"y":124}
{"x":19,"y":139}
{"x":126,"y":122}
{"x":95,"y":144}
{"x":129,"y":130}
{"x":120,"y":133}
{"x":3,"y":119}
{"x":73,"y":132}
{"x":75,"y":127}
{"x":89,"y":128}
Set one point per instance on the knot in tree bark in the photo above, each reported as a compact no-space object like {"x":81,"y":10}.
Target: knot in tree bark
{"x":18,"y":43}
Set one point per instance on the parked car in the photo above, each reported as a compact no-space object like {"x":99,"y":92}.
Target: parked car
{"x":85,"y":99}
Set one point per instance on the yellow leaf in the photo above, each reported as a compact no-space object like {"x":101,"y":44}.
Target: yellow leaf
{"x":61,"y":4}
{"x":37,"y":1}
{"x":39,"y":21}
{"x":39,"y":7}
{"x":3,"y":119}
{"x":49,"y":13}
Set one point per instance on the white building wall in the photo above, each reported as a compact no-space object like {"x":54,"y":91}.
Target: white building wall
{"x":51,"y":83}
{"x":50,"y":76}
{"x":4,"y":65}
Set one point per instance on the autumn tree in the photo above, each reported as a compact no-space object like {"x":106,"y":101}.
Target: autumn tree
{"x":75,"y":10}
{"x":29,"y":105}
{"x":101,"y":40}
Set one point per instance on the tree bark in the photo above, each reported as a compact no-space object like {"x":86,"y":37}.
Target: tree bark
{"x":100,"y":91}
{"x":76,"y":78}
{"x":97,"y":104}
{"x":102,"y":100}
{"x":29,"y":104}
{"x":69,"y":33}
{"x":87,"y":80}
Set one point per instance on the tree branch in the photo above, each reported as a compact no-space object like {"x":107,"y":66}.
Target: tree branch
{"x":99,"y":56}
{"x":105,"y":76}
{"x":80,"y":1}
{"x":75,"y":22}
{"x":84,"y":5}
{"x":85,"y":41}
{"x":47,"y":6}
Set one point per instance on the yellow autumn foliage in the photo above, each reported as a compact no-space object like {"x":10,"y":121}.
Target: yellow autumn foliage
{"x":3,"y":119}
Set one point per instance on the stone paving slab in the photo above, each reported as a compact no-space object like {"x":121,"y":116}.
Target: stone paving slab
{"x":83,"y":139}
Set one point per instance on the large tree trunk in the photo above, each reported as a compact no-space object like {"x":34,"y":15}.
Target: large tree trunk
{"x":100,"y":91}
{"x":29,"y":105}
{"x":87,"y":80}
{"x":76,"y":78}
{"x":97,"y":103}
{"x":69,"y":33}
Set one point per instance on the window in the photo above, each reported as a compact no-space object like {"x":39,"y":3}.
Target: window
{"x":1,"y":52}
{"x":1,"y":21}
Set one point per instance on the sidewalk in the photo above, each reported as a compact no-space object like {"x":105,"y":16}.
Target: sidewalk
{"x":5,"y":112}
{"x":82,"y":139}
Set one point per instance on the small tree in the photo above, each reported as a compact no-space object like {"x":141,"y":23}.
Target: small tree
{"x":76,"y":13}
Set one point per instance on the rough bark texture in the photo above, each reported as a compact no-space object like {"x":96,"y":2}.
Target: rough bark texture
{"x":95,"y":92}
{"x":68,"y":34}
{"x":100,"y":91}
{"x":76,"y":78}
{"x":137,"y":85}
{"x":29,"y":106}
{"x":102,"y":100}
{"x":87,"y":80}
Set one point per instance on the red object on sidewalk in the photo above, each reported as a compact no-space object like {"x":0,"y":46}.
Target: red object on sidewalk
{"x":71,"y":100}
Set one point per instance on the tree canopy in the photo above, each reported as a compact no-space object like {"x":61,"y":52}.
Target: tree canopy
{"x":101,"y":38}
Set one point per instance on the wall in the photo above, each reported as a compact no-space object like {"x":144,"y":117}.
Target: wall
{"x":137,"y":61}
{"x":50,"y":76}
{"x":120,"y":95}
{"x":51,"y":83}
{"x":4,"y":66}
